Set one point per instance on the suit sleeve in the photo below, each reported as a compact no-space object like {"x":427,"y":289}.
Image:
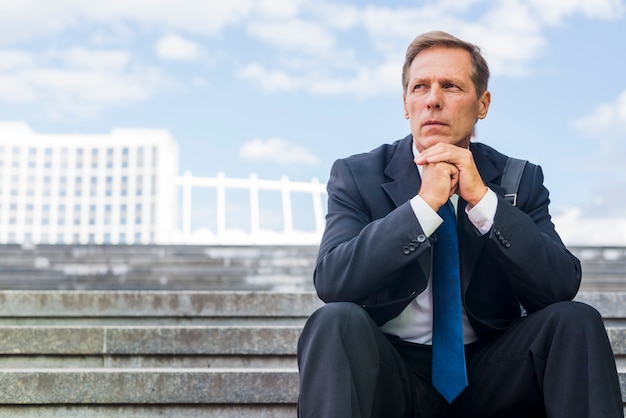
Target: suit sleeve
{"x":359,"y":256}
{"x":523,"y":239}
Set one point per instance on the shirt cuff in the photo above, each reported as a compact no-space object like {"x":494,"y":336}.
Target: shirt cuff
{"x":426,"y":216}
{"x":483,"y":214}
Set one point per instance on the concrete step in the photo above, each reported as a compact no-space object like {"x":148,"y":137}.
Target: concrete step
{"x":150,"y":305}
{"x":148,"y":386}
{"x":149,"y":411}
{"x":148,"y":346}
{"x":154,"y":386}
{"x":149,"y":392}
{"x":180,"y":267}
{"x":157,"y":267}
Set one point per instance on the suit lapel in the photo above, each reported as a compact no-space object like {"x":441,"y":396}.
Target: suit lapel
{"x":403,"y":174}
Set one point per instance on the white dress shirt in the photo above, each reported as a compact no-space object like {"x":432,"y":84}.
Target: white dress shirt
{"x":415,"y":322}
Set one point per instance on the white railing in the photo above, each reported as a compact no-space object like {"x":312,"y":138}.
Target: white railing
{"x":194,"y":229}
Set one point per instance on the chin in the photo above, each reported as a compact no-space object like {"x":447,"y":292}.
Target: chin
{"x":425,"y":143}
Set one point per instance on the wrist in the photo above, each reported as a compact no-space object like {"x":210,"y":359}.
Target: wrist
{"x":475,"y":200}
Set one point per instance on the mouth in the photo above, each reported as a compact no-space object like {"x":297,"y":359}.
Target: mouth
{"x":433,"y":123}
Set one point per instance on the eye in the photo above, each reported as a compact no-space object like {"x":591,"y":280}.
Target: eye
{"x":418,"y":87}
{"x":450,"y":86}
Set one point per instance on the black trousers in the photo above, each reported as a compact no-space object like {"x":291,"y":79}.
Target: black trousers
{"x":556,"y":362}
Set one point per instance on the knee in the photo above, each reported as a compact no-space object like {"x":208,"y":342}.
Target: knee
{"x":576,"y":314}
{"x":333,"y":321}
{"x":340,"y":315}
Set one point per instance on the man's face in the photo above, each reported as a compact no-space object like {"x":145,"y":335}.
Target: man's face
{"x":440,"y":101}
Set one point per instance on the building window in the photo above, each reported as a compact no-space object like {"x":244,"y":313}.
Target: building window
{"x":92,"y":214}
{"x":107,"y":214}
{"x":110,"y":158}
{"x":124,"y":157}
{"x":30,"y":186}
{"x":138,"y":214}
{"x":109,"y":186}
{"x":93,"y":186}
{"x":47,"y":180}
{"x":62,"y":186}
{"x":139,"y":186}
{"x":140,"y":157}
{"x":15,"y":158}
{"x":64,"y":157}
{"x":94,"y":158}
{"x":78,"y":187}
{"x":79,"y":158}
{"x":47,"y":158}
{"x":124,"y":186}
{"x":15,"y":184}
{"x":32,"y":157}
{"x":76,"y":214}
{"x":123,"y":214}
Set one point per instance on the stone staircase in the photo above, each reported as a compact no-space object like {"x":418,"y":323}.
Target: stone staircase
{"x":157,"y":267}
{"x":200,"y":267}
{"x":150,"y":353}
{"x":171,"y":353}
{"x":183,"y":331}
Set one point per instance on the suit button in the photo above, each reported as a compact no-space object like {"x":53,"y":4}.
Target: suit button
{"x":406,"y":250}
{"x":421,"y":238}
{"x":412,"y":247}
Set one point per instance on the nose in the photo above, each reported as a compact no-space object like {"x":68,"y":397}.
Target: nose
{"x":435,"y":98}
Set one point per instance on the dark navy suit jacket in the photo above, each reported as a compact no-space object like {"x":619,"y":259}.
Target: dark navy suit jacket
{"x":374,"y":251}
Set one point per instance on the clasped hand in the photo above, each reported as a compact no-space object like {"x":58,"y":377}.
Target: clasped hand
{"x":448,"y":169}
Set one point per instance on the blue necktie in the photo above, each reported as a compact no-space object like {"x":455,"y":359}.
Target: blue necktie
{"x":449,"y":373}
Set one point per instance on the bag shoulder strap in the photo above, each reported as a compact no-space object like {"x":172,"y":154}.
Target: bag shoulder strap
{"x":511,"y":178}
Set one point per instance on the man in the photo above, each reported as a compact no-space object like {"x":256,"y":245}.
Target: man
{"x":529,"y":351}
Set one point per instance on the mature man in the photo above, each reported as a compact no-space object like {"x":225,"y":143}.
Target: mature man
{"x":443,"y":298}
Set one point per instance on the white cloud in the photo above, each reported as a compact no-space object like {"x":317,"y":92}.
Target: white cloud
{"x":295,"y":34}
{"x":28,"y":18}
{"x":77,"y":82}
{"x":363,"y":82}
{"x":14,"y":91}
{"x":277,"y":9}
{"x":269,"y":81}
{"x":277,"y":150}
{"x":608,"y":119}
{"x":13,"y":59}
{"x":575,"y":229}
{"x":175,"y":47}
{"x":335,"y":16}
{"x":109,"y":61}
{"x":553,"y":11}
{"x":307,"y":45}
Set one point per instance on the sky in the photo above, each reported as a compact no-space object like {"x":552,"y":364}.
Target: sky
{"x":287,"y":87}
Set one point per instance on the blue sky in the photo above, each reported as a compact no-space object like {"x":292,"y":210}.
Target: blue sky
{"x":286,"y":87}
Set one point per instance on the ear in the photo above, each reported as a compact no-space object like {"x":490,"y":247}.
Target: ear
{"x":406,"y":111}
{"x":483,"y":104}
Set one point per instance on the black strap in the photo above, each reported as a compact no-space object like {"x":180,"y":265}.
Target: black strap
{"x":511,"y":178}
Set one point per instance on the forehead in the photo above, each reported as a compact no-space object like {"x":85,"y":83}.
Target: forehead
{"x":440,"y":62}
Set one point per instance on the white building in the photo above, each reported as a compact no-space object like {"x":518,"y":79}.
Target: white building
{"x":118,"y":188}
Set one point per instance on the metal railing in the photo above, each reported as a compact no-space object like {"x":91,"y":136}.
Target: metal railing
{"x":200,"y":232}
